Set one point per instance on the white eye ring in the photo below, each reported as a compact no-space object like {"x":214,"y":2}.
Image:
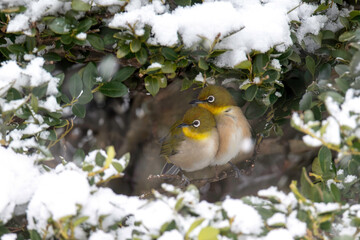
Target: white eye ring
{"x":211,"y":99}
{"x":196,"y":123}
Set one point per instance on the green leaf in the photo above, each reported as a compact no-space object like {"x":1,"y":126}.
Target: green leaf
{"x":30,"y":43}
{"x":3,"y":230}
{"x":310,"y":64}
{"x":243,"y":65}
{"x":343,"y":84}
{"x":16,"y":48}
{"x":255,"y":110}
{"x":79,"y":5}
{"x":208,"y":233}
{"x":84,"y":25}
{"x":315,"y":167}
{"x":218,"y":52}
{"x":114,"y":89}
{"x":168,"y":67}
{"x":341,"y":54}
{"x":326,"y":163}
{"x":75,"y":85}
{"x":51,"y":56}
{"x":66,"y":39}
{"x":344,"y":21}
{"x":123,"y":74}
{"x":99,"y":159}
{"x":295,"y":57}
{"x":334,"y":95}
{"x":194,"y":225}
{"x":152,"y":85}
{"x":347,"y":36}
{"x":79,"y":156}
{"x":86,"y":96}
{"x":305,"y":102}
{"x":79,"y":110}
{"x":123,"y":51}
{"x":60,"y":25}
{"x":96,"y":41}
{"x":260,"y":61}
{"x":250,"y":92}
{"x":324,"y":71}
{"x":342,"y":69}
{"x":80,"y":220}
{"x":142,"y":56}
{"x":13,"y":94}
{"x":183,"y":3}
{"x":186,"y":83}
{"x":135,"y":45}
{"x":34,"y":235}
{"x":34,"y":103}
{"x":119,"y":168}
{"x":169,"y":53}
{"x":322,"y":7}
{"x":335,"y":192}
{"x":89,"y":75}
{"x":203,"y":64}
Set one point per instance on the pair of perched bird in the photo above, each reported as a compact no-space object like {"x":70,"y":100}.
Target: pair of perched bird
{"x":212,"y":133}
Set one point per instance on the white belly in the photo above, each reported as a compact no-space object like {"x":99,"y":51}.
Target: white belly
{"x":193,"y":155}
{"x":234,"y":135}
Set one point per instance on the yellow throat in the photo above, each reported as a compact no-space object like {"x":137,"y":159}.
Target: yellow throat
{"x":213,"y":109}
{"x":195,"y":135}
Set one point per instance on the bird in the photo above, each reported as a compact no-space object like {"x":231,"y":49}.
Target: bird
{"x":233,"y":128}
{"x":192,"y":142}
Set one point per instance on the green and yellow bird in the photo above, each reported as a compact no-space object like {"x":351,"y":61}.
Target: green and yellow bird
{"x":233,"y":128}
{"x":192,"y":143}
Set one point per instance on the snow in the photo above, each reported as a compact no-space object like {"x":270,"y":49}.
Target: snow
{"x":172,"y":235}
{"x":277,"y":218}
{"x":57,"y":196}
{"x":199,"y":77}
{"x":296,"y":227}
{"x":154,"y":65}
{"x":246,"y":219}
{"x":277,"y":234}
{"x":50,"y":104}
{"x":81,"y":36}
{"x":31,"y":76}
{"x":350,"y":179}
{"x":34,"y":11}
{"x":9,"y":236}
{"x":11,"y":105}
{"x":101,"y":235}
{"x":257,"y":25}
{"x":19,"y":170}
{"x":326,"y":207}
{"x":276,"y":63}
{"x":286,"y":200}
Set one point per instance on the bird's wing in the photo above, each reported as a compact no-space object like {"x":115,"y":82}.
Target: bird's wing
{"x":171,"y":141}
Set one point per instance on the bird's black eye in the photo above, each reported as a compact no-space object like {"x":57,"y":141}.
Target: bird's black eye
{"x":211,"y":99}
{"x":196,"y":123}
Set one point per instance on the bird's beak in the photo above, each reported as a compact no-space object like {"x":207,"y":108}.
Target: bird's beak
{"x":182,"y":125}
{"x":197,"y":101}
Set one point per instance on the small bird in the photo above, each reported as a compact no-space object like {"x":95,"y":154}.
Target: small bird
{"x":192,"y":142}
{"x":233,"y":128}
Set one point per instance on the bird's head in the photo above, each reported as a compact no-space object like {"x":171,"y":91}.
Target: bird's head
{"x":216,"y":99}
{"x":197,"y":123}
